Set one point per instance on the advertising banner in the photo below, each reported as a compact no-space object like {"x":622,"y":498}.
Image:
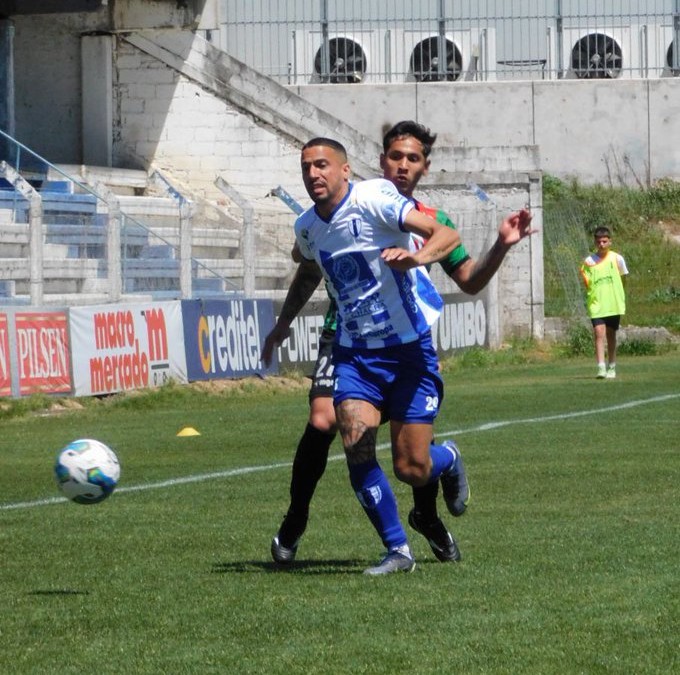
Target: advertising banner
{"x":122,"y":347}
{"x":42,"y":352}
{"x":5,"y":363}
{"x":224,"y":338}
{"x":462,"y":324}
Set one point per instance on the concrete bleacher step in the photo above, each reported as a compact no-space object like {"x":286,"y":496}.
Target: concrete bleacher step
{"x":158,"y":251}
{"x":204,"y":240}
{"x":274,"y":267}
{"x":61,"y":268}
{"x":119,"y":181}
{"x":150,"y":274}
{"x":13,"y":240}
{"x":206,"y":286}
{"x":151,"y":211}
{"x":271,"y":272}
{"x":95,"y":285}
{"x":7,"y":288}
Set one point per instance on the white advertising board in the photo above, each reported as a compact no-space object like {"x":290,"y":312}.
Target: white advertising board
{"x":123,"y":347}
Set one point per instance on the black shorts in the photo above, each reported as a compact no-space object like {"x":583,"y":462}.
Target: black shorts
{"x":612,"y":322}
{"x":323,"y":377}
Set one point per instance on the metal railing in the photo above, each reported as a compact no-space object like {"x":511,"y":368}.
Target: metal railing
{"x":395,"y":41}
{"x":63,"y":238}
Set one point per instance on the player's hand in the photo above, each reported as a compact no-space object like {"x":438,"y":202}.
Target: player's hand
{"x":399,"y":259}
{"x":516,"y":227}
{"x":275,"y":338}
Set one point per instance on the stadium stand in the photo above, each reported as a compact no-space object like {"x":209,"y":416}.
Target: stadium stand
{"x":75,"y":239}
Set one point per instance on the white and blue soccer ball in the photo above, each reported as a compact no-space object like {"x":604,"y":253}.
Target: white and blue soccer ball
{"x":87,"y":471}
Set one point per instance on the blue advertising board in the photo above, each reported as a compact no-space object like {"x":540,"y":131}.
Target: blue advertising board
{"x":464,"y":323}
{"x":224,"y":338}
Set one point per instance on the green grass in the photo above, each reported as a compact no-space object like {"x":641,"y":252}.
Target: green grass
{"x":640,"y":221}
{"x":570,"y":545}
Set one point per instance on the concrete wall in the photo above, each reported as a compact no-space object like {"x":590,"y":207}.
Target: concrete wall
{"x":165,"y":120}
{"x":48,"y":72}
{"x":47,"y":80}
{"x":611,"y":132}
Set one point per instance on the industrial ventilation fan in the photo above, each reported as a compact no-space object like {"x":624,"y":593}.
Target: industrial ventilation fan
{"x":346,"y":62}
{"x":426,"y":60}
{"x":596,"y":57}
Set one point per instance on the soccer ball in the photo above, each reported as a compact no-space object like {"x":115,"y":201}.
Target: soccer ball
{"x":87,"y":471}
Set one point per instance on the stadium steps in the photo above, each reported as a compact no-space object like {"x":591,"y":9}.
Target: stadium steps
{"x":61,"y":275}
{"x":119,"y":181}
{"x":270,"y":272}
{"x":75,"y":241}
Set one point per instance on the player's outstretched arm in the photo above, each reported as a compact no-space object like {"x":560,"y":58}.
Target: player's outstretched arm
{"x":439,"y":242}
{"x":305,"y":281}
{"x":473,"y":275}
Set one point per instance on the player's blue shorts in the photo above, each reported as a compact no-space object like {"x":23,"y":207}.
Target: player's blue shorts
{"x":403,"y":381}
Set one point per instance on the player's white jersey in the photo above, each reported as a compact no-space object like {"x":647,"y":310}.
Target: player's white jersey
{"x":377,"y":306}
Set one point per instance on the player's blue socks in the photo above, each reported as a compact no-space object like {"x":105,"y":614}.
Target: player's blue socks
{"x":442,"y":461}
{"x":375,"y":495}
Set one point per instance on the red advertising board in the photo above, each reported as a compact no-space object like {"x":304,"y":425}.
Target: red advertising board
{"x":5,"y":373}
{"x":42,"y":351}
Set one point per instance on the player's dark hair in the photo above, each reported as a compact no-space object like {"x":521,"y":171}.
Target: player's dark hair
{"x":602,"y":231}
{"x":410,"y":128}
{"x":329,"y":143}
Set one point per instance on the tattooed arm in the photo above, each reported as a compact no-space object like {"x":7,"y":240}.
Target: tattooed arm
{"x":304,"y":283}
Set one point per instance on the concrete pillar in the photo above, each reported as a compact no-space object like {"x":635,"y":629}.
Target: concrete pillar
{"x":97,"y":73}
{"x":6,"y":86}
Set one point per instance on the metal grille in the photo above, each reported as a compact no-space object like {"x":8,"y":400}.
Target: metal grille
{"x":395,"y":41}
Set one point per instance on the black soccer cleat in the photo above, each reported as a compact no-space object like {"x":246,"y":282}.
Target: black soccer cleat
{"x":285,"y":543}
{"x":283,"y":555}
{"x":441,"y":541}
{"x":455,"y":483}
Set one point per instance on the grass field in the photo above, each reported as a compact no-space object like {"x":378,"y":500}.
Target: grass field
{"x":571,"y":543}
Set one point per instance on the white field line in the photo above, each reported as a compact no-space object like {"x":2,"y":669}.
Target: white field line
{"x":228,"y":473}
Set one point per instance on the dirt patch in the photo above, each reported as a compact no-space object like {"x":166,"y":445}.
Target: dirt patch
{"x":671,"y":230}
{"x":273,"y":383}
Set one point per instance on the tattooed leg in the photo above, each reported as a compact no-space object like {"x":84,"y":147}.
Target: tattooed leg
{"x":358,"y":423}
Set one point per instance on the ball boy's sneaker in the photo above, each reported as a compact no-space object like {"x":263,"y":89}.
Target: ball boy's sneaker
{"x":394,"y":561}
{"x":285,"y":543}
{"x":601,"y":372}
{"x":611,"y":373}
{"x":455,"y":483}
{"x":441,"y":542}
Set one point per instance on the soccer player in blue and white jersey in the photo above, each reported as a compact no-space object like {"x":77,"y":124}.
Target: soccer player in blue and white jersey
{"x":359,"y":236}
{"x":405,"y":160}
